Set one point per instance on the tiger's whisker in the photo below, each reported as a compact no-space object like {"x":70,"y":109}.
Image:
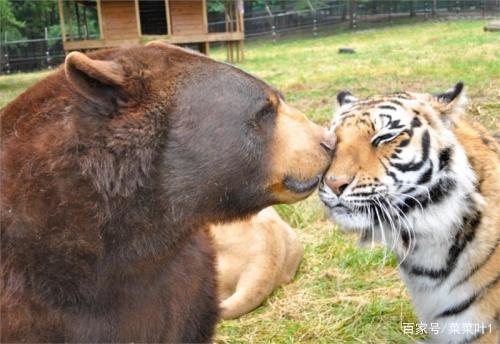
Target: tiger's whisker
{"x":425,"y":188}
{"x":372,"y":229}
{"x":394,"y":231}
{"x":409,"y":227}
{"x":382,"y":231}
{"x":402,"y":221}
{"x":409,"y":196}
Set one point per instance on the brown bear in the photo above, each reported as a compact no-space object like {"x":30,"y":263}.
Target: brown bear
{"x":111,"y":170}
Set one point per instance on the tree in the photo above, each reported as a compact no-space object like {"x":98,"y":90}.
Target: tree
{"x":412,"y":8}
{"x":37,"y":15}
{"x":9,"y":24}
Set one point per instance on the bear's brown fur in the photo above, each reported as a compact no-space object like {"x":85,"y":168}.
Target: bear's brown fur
{"x":111,"y":169}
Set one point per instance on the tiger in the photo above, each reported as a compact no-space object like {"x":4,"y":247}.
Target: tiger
{"x":410,"y":171}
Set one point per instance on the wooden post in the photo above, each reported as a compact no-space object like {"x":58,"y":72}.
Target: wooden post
{"x":167,"y":16}
{"x":232,"y":52}
{"x":234,"y":24}
{"x":241,"y":15}
{"x":138,"y":17}
{"x":99,"y":19}
{"x":242,"y":50}
{"x":229,"y":46}
{"x":205,"y":16}
{"x":61,"y":18}
{"x":205,"y":48}
{"x":206,"y":45}
{"x":241,"y":27}
{"x":434,"y":7}
{"x":234,"y":28}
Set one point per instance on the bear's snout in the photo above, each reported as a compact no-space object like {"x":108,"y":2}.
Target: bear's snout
{"x":301,"y":153}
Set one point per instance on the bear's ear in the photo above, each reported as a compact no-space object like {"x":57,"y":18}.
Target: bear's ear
{"x":345,"y":97}
{"x":451,"y":103}
{"x":99,"y":81}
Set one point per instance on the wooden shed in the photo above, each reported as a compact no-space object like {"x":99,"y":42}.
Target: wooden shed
{"x":121,"y":22}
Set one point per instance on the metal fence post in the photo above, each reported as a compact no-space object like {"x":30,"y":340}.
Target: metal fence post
{"x":353,"y":9}
{"x":314,"y":12}
{"x":272,"y":21}
{"x":48,"y":59}
{"x":6,"y":56}
{"x":7,"y":64}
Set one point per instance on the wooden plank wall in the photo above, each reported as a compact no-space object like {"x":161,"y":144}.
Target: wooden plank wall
{"x":187,"y":17}
{"x":119,"y":19}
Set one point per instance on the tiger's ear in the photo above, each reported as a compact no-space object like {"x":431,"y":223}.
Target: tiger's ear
{"x":451,"y":103}
{"x":345,"y":97}
{"x":99,"y":81}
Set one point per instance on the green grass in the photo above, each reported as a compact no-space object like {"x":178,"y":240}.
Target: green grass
{"x":344,"y":293}
{"x":13,"y":85}
{"x":420,"y":56}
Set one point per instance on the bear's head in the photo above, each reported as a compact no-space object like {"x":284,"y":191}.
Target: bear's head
{"x":219,"y":142}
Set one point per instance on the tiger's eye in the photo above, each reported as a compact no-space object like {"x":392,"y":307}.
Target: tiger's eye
{"x":384,"y":139}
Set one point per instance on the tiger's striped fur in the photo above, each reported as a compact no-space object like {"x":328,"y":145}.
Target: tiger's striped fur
{"x":409,"y":171}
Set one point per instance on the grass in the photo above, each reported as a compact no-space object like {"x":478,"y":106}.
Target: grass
{"x":343,"y":293}
{"x":13,"y":85}
{"x":421,"y":56}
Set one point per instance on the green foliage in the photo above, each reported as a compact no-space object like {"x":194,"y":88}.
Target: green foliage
{"x":8,"y":22}
{"x":74,"y":22}
{"x":36,"y":15}
{"x":306,"y":4}
{"x":215,"y":6}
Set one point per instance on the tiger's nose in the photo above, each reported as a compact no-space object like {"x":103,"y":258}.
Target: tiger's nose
{"x":338,"y":184}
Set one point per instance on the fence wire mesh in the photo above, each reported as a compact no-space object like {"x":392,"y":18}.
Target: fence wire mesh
{"x":48,"y":52}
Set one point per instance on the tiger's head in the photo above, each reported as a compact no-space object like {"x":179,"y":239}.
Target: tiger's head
{"x":395,"y":154}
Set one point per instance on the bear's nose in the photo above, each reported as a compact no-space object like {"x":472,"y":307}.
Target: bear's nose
{"x":329,"y":141}
{"x":338,"y":184}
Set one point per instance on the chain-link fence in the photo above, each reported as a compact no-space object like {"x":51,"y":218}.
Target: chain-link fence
{"x":272,"y":23}
{"x":29,"y":55}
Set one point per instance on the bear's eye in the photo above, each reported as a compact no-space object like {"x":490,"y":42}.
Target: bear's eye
{"x":266,"y":112}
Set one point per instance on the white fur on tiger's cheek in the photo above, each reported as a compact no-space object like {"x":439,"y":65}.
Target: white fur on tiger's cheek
{"x":342,"y":215}
{"x":349,"y":220}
